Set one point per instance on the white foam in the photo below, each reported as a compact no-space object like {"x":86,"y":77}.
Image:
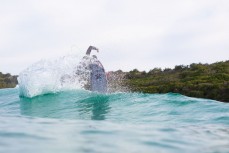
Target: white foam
{"x":50,"y":76}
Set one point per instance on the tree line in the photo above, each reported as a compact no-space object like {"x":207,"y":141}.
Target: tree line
{"x":8,"y":80}
{"x":195,"y":80}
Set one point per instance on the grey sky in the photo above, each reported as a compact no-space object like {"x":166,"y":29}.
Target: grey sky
{"x":130,"y":34}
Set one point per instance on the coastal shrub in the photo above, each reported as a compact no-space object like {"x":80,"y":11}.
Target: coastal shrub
{"x":196,"y":80}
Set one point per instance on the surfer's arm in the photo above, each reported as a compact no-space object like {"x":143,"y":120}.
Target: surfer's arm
{"x":91,"y":48}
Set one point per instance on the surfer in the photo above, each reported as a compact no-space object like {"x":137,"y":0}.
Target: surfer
{"x":91,"y":72}
{"x":91,"y":48}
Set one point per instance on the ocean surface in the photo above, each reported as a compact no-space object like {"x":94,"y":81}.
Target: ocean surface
{"x":82,"y":121}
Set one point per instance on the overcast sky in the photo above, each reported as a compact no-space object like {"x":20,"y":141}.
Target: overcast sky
{"x":130,"y":34}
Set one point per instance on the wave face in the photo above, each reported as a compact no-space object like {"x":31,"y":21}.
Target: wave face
{"x":83,"y":121}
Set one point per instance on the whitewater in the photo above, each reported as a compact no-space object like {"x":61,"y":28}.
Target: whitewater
{"x":46,"y":115}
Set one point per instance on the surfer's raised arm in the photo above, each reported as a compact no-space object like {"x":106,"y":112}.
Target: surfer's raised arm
{"x":91,"y":48}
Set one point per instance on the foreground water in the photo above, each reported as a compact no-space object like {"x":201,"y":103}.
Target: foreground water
{"x":82,"y":121}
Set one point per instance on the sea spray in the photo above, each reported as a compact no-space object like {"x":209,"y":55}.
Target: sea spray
{"x":50,"y":76}
{"x":66,"y":73}
{"x":117,"y":82}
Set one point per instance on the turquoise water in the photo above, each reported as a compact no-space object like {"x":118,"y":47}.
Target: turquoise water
{"x":82,"y":121}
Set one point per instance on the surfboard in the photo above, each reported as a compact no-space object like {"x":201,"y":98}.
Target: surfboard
{"x":91,"y":72}
{"x":98,"y":79}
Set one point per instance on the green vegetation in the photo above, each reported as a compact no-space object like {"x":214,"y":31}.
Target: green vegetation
{"x":7,"y":80}
{"x":196,"y":80}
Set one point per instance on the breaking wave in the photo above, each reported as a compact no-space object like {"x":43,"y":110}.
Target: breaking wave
{"x":50,"y":76}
